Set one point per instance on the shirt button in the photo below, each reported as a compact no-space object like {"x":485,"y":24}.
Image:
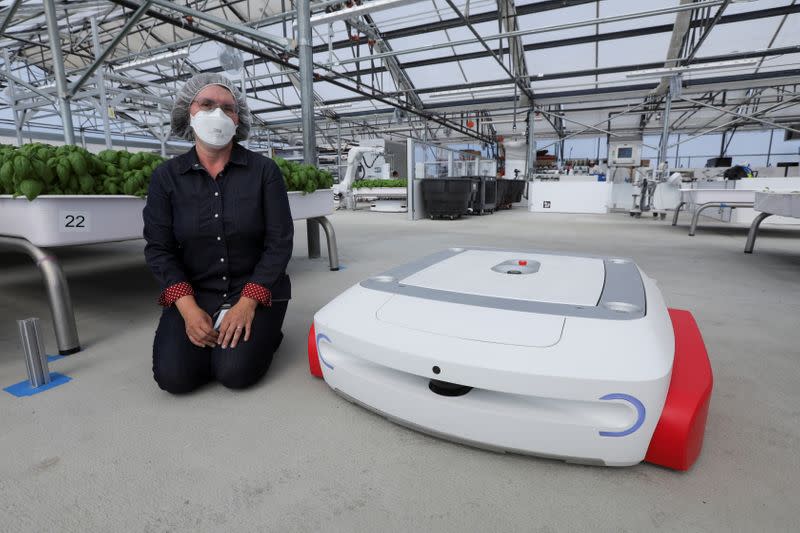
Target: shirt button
{"x":221,"y":259}
{"x":224,"y":294}
{"x":216,"y":194}
{"x":219,"y":238}
{"x":224,"y":278}
{"x":216,"y":215}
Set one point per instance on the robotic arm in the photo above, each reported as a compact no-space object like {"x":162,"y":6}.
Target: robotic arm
{"x":356,"y":159}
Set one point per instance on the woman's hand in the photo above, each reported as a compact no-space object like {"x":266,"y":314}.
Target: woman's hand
{"x":237,"y":321}
{"x":199,"y":327}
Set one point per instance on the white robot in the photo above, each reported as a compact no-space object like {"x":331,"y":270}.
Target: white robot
{"x":564,"y":356}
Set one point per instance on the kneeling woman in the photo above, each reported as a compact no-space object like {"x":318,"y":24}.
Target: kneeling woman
{"x":219,"y":237}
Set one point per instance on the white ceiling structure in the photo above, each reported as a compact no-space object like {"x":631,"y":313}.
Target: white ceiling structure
{"x":583,"y":66}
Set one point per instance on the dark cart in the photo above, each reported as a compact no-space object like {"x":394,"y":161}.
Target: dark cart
{"x":447,"y":197}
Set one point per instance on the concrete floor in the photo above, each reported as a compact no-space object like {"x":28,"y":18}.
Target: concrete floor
{"x":109,"y":451}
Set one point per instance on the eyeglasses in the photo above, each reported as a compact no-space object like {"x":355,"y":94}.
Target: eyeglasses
{"x":206,"y":104}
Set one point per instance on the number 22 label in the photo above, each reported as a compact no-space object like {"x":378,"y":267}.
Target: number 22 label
{"x":70,"y":221}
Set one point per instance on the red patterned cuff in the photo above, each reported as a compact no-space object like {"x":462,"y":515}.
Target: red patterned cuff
{"x":171,"y":294}
{"x":258,"y":293}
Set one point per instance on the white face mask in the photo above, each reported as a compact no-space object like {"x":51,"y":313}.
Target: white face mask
{"x":214,"y":128}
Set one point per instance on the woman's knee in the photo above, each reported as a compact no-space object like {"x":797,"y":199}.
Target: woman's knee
{"x":177,"y":380}
{"x":240,"y":377}
{"x":241,"y":367}
{"x":179,"y":368}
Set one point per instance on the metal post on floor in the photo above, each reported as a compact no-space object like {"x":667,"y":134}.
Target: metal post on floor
{"x":59,"y":72}
{"x":57,"y":293}
{"x":35,"y":354}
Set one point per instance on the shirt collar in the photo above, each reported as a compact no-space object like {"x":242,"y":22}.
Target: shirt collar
{"x":190,"y":161}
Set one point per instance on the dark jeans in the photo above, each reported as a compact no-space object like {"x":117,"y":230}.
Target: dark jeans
{"x":180,"y":367}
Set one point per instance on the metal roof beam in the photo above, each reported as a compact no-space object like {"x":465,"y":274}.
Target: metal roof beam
{"x":398,"y":73}
{"x":273,"y":57}
{"x":12,"y":9}
{"x":246,"y":31}
{"x":110,"y":48}
{"x":537,"y":7}
{"x":524,"y":85}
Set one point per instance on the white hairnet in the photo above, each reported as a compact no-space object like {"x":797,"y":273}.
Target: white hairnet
{"x":180,"y":110}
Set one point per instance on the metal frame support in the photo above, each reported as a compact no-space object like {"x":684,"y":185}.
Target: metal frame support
{"x":13,"y":94}
{"x":530,"y":162}
{"x":58,"y":69}
{"x":330,"y":237}
{"x":306,"y":81}
{"x":139,"y":13}
{"x":411,"y":177}
{"x":240,"y":29}
{"x":703,"y":207}
{"x":664,"y":141}
{"x":753,"y":232}
{"x":9,"y":15}
{"x":312,"y":230}
{"x":101,"y":87}
{"x":312,"y":233}
{"x":307,"y":101}
{"x":57,"y":293}
{"x":740,"y":115}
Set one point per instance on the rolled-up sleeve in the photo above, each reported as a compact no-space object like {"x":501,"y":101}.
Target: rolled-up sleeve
{"x":279,"y":231}
{"x":161,"y":250}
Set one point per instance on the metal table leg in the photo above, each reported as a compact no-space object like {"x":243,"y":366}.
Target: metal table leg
{"x":703,"y":207}
{"x":330,"y":235}
{"x":677,"y":212}
{"x":312,"y":232}
{"x":57,"y":292}
{"x":751,"y":235}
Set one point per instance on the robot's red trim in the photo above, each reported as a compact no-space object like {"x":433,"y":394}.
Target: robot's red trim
{"x":313,"y":356}
{"x":678,"y":437}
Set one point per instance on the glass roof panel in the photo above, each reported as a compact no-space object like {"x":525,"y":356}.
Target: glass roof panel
{"x":739,"y":37}
{"x":562,"y":59}
{"x":611,"y":8}
{"x":788,"y":34}
{"x":636,"y":50}
{"x":436,"y":75}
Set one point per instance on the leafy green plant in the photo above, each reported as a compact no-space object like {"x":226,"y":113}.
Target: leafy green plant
{"x":303,"y":177}
{"x":35,"y":169}
{"x":370,"y":184}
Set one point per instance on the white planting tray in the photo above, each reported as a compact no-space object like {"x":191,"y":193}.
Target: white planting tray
{"x":316,"y":204}
{"x":381,"y":192}
{"x":704,"y":196}
{"x":65,"y":220}
{"x":55,"y":220}
{"x":785,"y":204}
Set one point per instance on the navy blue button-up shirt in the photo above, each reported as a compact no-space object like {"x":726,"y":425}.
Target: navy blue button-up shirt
{"x":218,"y":234}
